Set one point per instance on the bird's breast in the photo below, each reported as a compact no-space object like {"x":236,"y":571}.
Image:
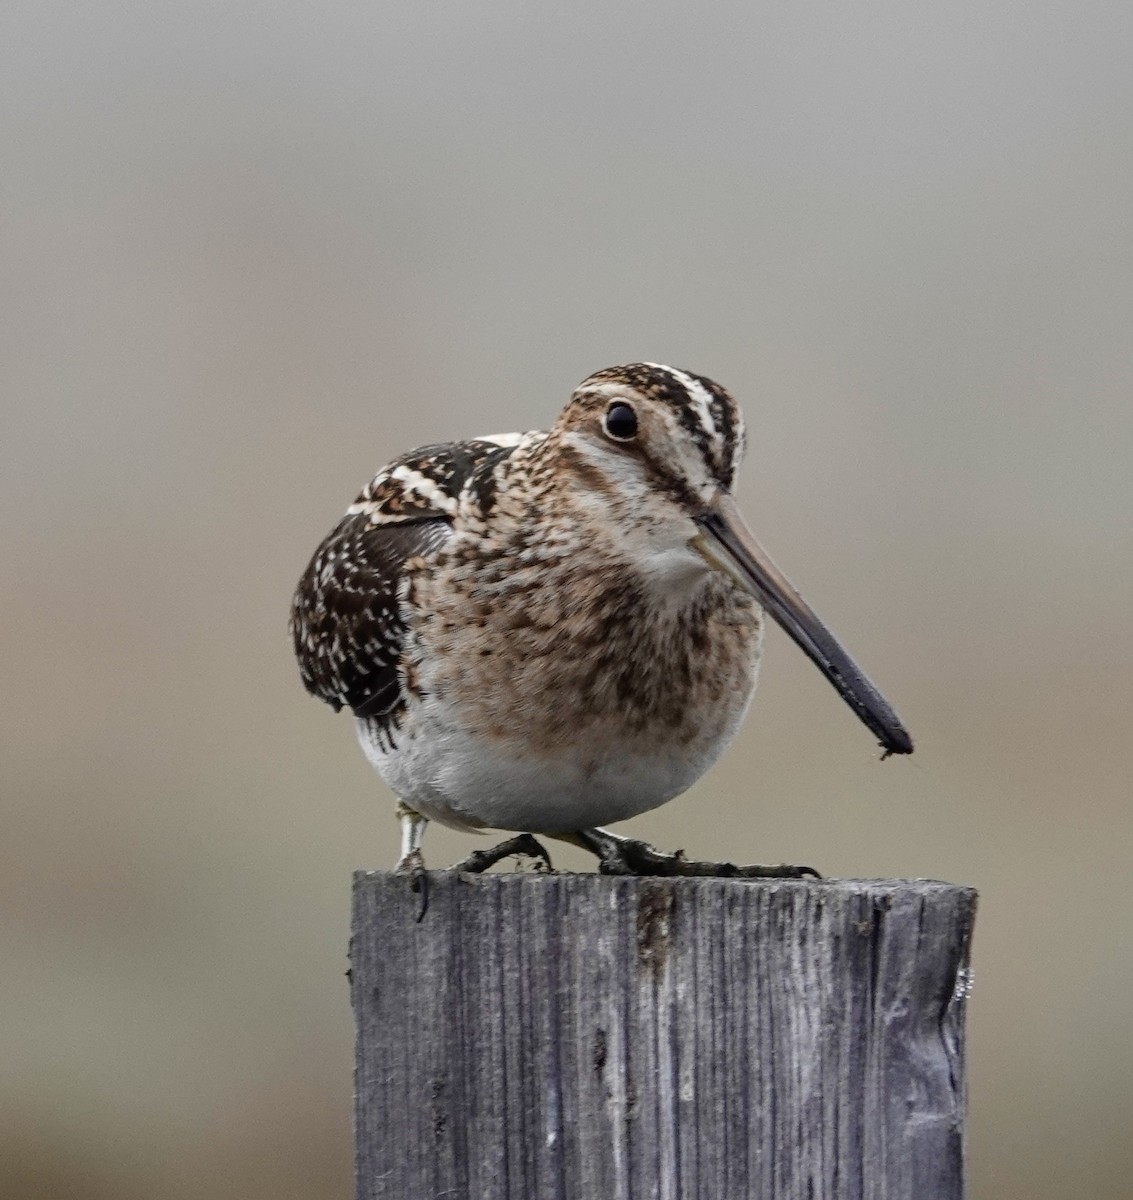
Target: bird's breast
{"x":573,"y":652}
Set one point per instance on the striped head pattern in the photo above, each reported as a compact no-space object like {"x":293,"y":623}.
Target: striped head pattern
{"x":643,"y":426}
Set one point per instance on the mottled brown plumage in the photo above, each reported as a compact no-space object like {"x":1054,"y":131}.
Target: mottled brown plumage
{"x":545,"y":618}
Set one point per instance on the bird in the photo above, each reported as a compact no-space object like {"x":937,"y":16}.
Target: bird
{"x":552,"y":631}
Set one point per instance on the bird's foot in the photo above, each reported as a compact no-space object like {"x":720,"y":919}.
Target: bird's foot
{"x":412,"y":865}
{"x":629,"y":856}
{"x":523,"y":845}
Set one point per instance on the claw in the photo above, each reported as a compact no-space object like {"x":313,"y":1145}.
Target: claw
{"x":413,"y":866}
{"x":523,"y":844}
{"x":629,"y":856}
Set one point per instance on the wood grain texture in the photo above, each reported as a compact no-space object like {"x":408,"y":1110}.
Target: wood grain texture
{"x":580,"y":1037}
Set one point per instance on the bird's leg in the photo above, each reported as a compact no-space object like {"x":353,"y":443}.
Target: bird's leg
{"x":411,"y":862}
{"x":619,"y":855}
{"x":412,"y":832}
{"x":522,"y":844}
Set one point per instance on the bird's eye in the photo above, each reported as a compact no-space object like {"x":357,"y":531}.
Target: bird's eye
{"x":621,"y":422}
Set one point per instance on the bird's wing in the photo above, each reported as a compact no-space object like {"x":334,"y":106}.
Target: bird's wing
{"x":346,"y":623}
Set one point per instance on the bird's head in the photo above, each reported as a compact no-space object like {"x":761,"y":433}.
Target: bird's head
{"x":644,"y":430}
{"x":656,"y":449}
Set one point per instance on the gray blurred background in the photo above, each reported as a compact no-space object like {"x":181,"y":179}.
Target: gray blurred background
{"x":251,"y":250}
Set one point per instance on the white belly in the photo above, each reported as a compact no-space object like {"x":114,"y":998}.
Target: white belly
{"x":468,"y":781}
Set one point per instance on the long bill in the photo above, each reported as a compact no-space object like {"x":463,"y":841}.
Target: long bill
{"x":728,"y":544}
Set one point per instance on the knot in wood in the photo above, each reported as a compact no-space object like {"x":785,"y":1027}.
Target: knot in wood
{"x":654,"y":925}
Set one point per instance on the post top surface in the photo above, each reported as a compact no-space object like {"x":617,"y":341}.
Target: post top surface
{"x":591,"y":881}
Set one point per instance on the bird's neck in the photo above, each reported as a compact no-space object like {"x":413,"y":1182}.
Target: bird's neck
{"x":572,"y":521}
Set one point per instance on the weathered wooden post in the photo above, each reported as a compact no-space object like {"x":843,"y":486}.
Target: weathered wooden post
{"x":580,"y":1037}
